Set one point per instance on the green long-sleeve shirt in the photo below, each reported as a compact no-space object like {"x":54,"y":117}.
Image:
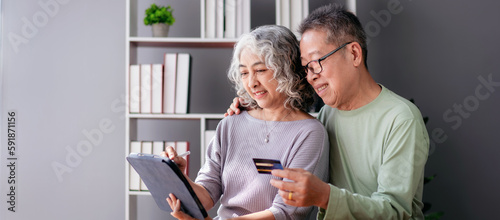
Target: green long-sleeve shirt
{"x":377,"y":158}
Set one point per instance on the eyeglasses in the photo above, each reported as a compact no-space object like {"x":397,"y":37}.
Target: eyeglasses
{"x":314,"y":66}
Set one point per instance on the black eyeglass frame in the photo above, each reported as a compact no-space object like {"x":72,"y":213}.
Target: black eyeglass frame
{"x":306,"y":67}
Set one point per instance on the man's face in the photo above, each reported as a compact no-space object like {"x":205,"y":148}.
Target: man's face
{"x":334,"y":80}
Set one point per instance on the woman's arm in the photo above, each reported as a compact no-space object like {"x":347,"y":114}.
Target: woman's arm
{"x":202,"y":194}
{"x":262,"y":215}
{"x":175,"y":205}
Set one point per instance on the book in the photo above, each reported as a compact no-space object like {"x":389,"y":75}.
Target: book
{"x":209,"y":135}
{"x":147,"y":148}
{"x":157,"y":89}
{"x":134,"y":89}
{"x":182,"y":147}
{"x":210,"y":15}
{"x":246,"y":12}
{"x":145,"y":88}
{"x":278,"y":12}
{"x":182,"y":83}
{"x":295,"y":15}
{"x":219,"y":19}
{"x":242,"y":17}
{"x":170,"y":143}
{"x":230,"y":19}
{"x":162,"y":177}
{"x":134,"y":178}
{"x":285,"y":13}
{"x":158,"y":147}
{"x":305,"y":8}
{"x":239,"y":18}
{"x":169,"y":81}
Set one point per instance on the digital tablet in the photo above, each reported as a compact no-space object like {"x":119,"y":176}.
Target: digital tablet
{"x":162,"y":177}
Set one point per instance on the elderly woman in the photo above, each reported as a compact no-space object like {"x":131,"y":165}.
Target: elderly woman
{"x":266,"y":73}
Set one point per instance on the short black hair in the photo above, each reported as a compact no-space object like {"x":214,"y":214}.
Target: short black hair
{"x":340,"y":25}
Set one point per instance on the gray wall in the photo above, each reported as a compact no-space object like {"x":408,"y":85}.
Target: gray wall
{"x":64,"y":78}
{"x":439,"y":53}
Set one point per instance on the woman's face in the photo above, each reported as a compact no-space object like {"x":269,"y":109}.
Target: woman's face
{"x":259,"y":82}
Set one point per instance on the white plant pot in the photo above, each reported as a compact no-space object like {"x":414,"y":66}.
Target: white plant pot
{"x":160,"y":29}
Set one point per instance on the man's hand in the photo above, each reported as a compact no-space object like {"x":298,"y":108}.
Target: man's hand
{"x":234,"y":107}
{"x":172,"y":154}
{"x":306,"y":189}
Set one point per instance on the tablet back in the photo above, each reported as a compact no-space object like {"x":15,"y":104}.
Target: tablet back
{"x":162,"y":177}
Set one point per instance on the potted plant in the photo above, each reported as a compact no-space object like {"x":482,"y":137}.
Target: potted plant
{"x":160,"y":17}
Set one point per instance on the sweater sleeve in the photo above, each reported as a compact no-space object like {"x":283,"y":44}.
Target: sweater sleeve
{"x":209,"y":175}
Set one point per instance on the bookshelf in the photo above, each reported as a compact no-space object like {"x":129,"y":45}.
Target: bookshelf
{"x":209,"y":91}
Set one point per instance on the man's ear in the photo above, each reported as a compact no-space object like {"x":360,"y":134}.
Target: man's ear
{"x":356,"y":53}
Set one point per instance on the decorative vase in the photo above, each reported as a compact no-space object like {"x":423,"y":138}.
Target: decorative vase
{"x":160,"y":29}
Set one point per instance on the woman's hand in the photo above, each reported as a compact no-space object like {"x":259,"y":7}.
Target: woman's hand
{"x":200,"y":191}
{"x":172,"y":155}
{"x":175,"y":205}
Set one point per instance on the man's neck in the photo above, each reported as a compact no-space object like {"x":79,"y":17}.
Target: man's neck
{"x":364,"y":92}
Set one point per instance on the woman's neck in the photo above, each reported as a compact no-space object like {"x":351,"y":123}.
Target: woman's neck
{"x":275,"y":114}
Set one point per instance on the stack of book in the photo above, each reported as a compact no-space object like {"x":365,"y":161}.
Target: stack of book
{"x":153,"y":147}
{"x":160,"y":88}
{"x":291,"y":12}
{"x":226,"y":18}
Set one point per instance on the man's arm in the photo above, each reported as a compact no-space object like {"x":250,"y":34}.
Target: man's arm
{"x":399,"y":178}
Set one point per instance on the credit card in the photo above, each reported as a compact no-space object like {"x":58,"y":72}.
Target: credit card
{"x":265,"y":166}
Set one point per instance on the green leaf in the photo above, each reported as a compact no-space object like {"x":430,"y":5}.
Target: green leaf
{"x":429,"y":178}
{"x":434,"y":216}
{"x":159,"y":14}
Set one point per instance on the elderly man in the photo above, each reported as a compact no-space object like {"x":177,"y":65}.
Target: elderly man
{"x":379,"y":143}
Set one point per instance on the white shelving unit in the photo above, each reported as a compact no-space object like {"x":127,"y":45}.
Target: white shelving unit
{"x":135,"y":44}
{"x":140,"y":48}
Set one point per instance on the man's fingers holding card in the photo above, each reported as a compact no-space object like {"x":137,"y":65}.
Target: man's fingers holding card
{"x":305,"y":187}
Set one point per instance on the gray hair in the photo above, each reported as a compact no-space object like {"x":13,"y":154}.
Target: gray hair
{"x":279,"y":49}
{"x":340,"y":25}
